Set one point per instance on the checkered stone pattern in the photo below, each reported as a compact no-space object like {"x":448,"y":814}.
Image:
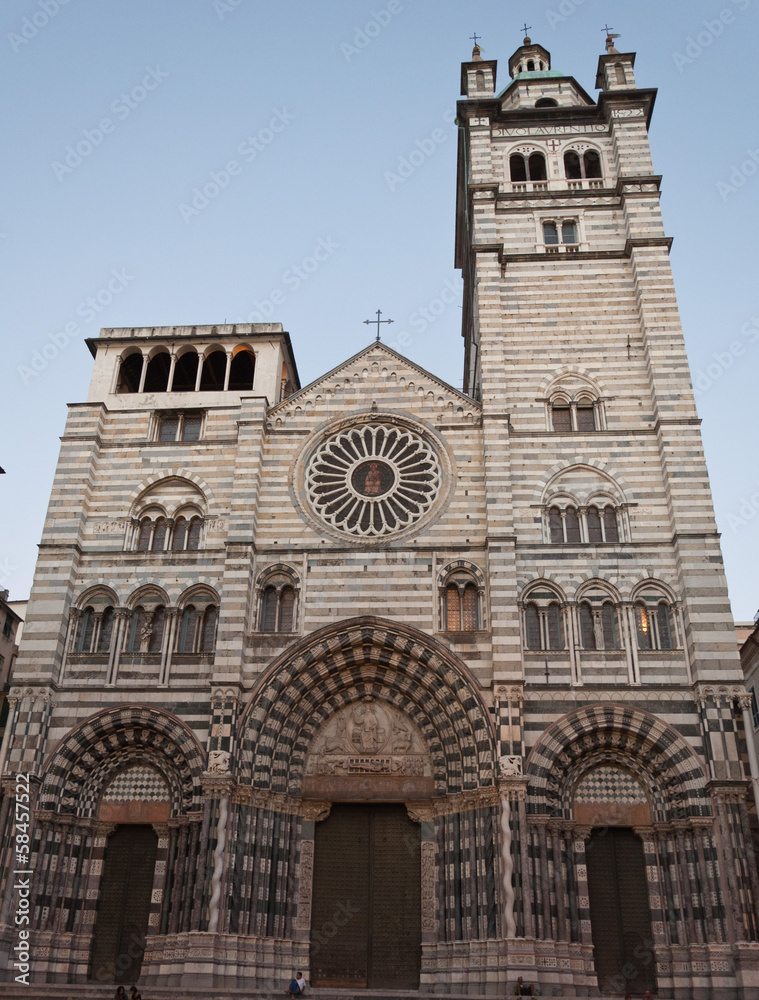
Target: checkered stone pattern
{"x":391,"y":665}
{"x":30,"y":732}
{"x":718,"y":722}
{"x":137,"y":784}
{"x":609,"y":785}
{"x":617,"y":734}
{"x":466,"y":845}
{"x":222,"y":733}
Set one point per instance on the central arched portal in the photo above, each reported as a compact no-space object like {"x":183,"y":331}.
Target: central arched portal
{"x":379,"y":737}
{"x":366,"y":910}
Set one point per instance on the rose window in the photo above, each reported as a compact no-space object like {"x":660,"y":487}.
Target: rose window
{"x":373,"y":480}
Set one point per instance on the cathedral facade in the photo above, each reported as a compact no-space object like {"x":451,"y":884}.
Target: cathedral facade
{"x":405,"y":687}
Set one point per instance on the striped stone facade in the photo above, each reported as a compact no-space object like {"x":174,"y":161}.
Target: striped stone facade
{"x":529,"y":644}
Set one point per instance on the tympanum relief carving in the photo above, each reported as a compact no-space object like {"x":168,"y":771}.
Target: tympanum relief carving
{"x":368,"y":737}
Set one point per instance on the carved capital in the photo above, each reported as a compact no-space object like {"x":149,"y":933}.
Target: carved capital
{"x":216,"y":786}
{"x":420,"y":812}
{"x":744,"y":699}
{"x":315,"y":809}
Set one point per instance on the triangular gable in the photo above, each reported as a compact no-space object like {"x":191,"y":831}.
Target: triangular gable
{"x":391,"y":365}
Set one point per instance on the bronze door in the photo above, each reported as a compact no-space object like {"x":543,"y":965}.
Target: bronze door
{"x":619,"y":913}
{"x":366,"y":911}
{"x":121,"y":923}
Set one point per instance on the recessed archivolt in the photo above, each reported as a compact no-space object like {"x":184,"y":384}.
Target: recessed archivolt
{"x":194,"y":482}
{"x":343,"y":664}
{"x":581,"y":480}
{"x":536,"y":582}
{"x":572,"y":381}
{"x":639,"y":741}
{"x":104,"y":743}
{"x":461,"y":564}
{"x":97,"y":595}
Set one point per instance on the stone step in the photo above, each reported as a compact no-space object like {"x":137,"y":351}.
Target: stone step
{"x":95,"y":991}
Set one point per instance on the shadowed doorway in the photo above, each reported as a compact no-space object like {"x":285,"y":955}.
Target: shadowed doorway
{"x":121,"y":923}
{"x":366,"y":911}
{"x":619,"y":913}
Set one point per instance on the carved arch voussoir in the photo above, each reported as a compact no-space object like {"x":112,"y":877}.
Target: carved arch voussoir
{"x":639,"y":741}
{"x":360,"y":658}
{"x":94,"y":751}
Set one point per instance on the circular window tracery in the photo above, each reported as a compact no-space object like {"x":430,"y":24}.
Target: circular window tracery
{"x":373,"y":480}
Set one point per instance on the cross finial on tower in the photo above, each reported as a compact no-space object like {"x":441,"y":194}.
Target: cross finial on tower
{"x":609,"y":38}
{"x":378,"y":321}
{"x":525,"y":28}
{"x":474,"y":38}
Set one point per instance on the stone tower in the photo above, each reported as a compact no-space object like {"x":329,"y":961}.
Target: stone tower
{"x":402,"y":686}
{"x":598,"y":495}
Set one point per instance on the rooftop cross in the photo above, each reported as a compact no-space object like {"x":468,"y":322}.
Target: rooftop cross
{"x":369,"y":322}
{"x":474,"y":38}
{"x":527,"y":27}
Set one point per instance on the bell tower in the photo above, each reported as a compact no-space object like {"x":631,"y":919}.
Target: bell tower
{"x":606,"y":580}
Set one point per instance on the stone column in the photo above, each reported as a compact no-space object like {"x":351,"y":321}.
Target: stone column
{"x":314,"y":811}
{"x":744,"y":700}
{"x":559,"y":881}
{"x":511,"y":787}
{"x":701,"y":828}
{"x":543,"y":876}
{"x":727,"y":869}
{"x":580,"y":837}
{"x":172,"y":366}
{"x":218,"y":785}
{"x":183,"y":825}
{"x":171,"y":621}
{"x":143,"y":373}
{"x":528,"y":915}
{"x":12,"y":703}
{"x":627,"y":621}
{"x":122,"y":616}
{"x":75,"y":617}
{"x":159,"y":879}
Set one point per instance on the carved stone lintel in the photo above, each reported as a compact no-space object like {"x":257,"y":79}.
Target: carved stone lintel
{"x":315,"y":809}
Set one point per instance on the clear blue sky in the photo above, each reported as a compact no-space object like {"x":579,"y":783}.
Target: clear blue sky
{"x":188,"y":85}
